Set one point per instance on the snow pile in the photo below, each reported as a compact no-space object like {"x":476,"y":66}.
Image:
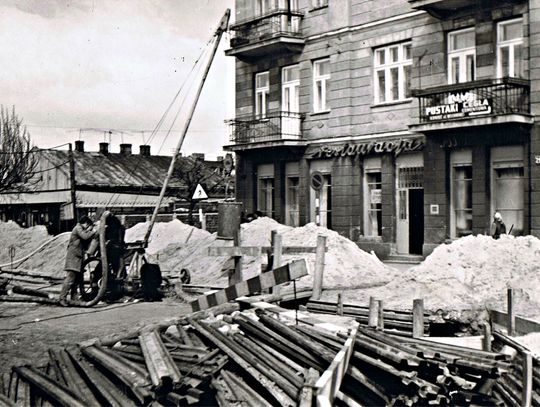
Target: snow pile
{"x":24,"y":241}
{"x":164,"y":233}
{"x":473,"y":272}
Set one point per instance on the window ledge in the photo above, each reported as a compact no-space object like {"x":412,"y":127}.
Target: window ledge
{"x":320,"y":113}
{"x":317,"y":8}
{"x":392,"y":103}
{"x":369,"y":239}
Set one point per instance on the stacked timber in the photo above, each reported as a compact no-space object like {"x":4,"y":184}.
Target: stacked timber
{"x":253,"y":357}
{"x":398,"y":322}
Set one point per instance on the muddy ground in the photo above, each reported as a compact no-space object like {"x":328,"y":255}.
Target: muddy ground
{"x":27,"y":330}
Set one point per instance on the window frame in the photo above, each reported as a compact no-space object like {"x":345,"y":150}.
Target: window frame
{"x":324,"y":79}
{"x":462,"y":55}
{"x":295,"y":83}
{"x":369,"y":209}
{"x":511,"y":44}
{"x":386,"y":67}
{"x":262,"y":110}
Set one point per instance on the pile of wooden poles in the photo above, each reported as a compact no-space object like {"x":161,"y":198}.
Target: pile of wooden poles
{"x":254,"y":358}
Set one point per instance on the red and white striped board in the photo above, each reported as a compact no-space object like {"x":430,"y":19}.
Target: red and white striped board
{"x":280,"y":275}
{"x":327,"y":387}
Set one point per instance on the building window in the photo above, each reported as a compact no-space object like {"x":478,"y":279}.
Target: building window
{"x":393,"y":73}
{"x":262,"y":90}
{"x":461,"y":56}
{"x":319,"y":3}
{"x":462,"y":200}
{"x":265,"y":6}
{"x":290,"y":77}
{"x":509,"y":46}
{"x":321,"y":90}
{"x":373,"y":204}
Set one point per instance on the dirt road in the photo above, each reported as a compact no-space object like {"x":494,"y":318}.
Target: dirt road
{"x":27,"y":331}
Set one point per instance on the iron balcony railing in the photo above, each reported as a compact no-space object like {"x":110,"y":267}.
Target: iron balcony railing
{"x":274,"y":126}
{"x":277,"y":23}
{"x":474,"y":99}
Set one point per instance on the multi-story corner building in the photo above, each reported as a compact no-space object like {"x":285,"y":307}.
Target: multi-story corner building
{"x":400,"y":124}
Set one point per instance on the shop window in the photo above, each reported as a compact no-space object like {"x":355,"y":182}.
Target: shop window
{"x":265,"y":202}
{"x":461,"y":56}
{"x":292,"y":202}
{"x":392,"y":68}
{"x":373,"y":202}
{"x":321,"y":203}
{"x":462,"y":200}
{"x":262,"y":91}
{"x":403,"y":204}
{"x":509,"y":47}
{"x":321,"y":85}
{"x":509,"y":197}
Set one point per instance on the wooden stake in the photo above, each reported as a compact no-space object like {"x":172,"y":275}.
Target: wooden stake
{"x":373,"y":313}
{"x":380,"y":317}
{"x":237,"y":276}
{"x":339,"y":304}
{"x":526,"y":397}
{"x":511,"y":323}
{"x":418,"y":318}
{"x":277,"y":251}
{"x":319,"y":267}
{"x":486,"y":340}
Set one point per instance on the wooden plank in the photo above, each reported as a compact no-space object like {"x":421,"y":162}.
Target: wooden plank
{"x":235,"y":251}
{"x":526,"y":398}
{"x":319,"y":267}
{"x":288,"y":272}
{"x":522,"y":326}
{"x":329,"y":383}
{"x":510,"y":320}
{"x":418,"y":318}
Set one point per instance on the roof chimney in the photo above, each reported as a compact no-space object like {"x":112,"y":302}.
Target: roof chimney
{"x":125,"y":149}
{"x":104,"y":148}
{"x":79,"y":146}
{"x":144,"y":150}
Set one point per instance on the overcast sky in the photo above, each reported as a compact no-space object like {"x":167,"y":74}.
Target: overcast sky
{"x":113,"y":64}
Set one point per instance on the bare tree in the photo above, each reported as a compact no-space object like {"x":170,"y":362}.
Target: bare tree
{"x":191,"y":172}
{"x":17,"y":160}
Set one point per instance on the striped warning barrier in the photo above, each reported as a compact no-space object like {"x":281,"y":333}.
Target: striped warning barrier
{"x":283,"y":274}
{"x":327,"y":387}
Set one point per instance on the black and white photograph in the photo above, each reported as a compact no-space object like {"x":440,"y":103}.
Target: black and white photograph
{"x":305,"y":203}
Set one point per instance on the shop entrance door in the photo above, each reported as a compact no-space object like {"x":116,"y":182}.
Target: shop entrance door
{"x":410,"y":211}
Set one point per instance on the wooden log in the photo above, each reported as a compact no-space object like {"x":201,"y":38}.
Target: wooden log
{"x":17,"y":289}
{"x":242,"y":390}
{"x":307,"y":394}
{"x":418,"y":318}
{"x":318,"y":274}
{"x":25,"y":298}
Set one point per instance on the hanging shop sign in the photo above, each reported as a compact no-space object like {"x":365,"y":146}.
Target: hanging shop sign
{"x":352,"y":150}
{"x":458,"y":105}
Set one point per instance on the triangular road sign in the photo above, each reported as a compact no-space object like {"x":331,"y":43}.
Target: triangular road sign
{"x":199,"y":193}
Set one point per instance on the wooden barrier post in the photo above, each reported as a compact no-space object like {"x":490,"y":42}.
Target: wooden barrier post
{"x":339,"y":304}
{"x":277,"y":255}
{"x":526,"y":398}
{"x":486,"y":340}
{"x":418,"y":318}
{"x":511,"y":323}
{"x":319,"y":267}
{"x":380,"y":318}
{"x":373,"y":313}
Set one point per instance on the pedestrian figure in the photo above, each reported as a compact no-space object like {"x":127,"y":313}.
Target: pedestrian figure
{"x":79,"y":241}
{"x":498,"y":227}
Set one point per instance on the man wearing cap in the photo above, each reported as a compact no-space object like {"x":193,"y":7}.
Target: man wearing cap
{"x":498,"y":227}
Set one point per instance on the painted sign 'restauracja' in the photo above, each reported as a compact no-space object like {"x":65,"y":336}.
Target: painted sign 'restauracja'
{"x":347,"y":149}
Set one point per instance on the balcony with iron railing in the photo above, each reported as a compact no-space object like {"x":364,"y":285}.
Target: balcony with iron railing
{"x":274,"y":129}
{"x":487,"y":101}
{"x":275,"y":32}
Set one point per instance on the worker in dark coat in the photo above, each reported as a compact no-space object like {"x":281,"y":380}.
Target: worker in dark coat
{"x":81,"y":236}
{"x":498,"y":227}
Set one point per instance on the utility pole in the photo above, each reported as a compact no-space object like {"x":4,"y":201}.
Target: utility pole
{"x":72,"y":184}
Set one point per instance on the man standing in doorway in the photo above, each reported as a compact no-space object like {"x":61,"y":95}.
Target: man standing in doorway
{"x":80,"y":238}
{"x":498,"y":227}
